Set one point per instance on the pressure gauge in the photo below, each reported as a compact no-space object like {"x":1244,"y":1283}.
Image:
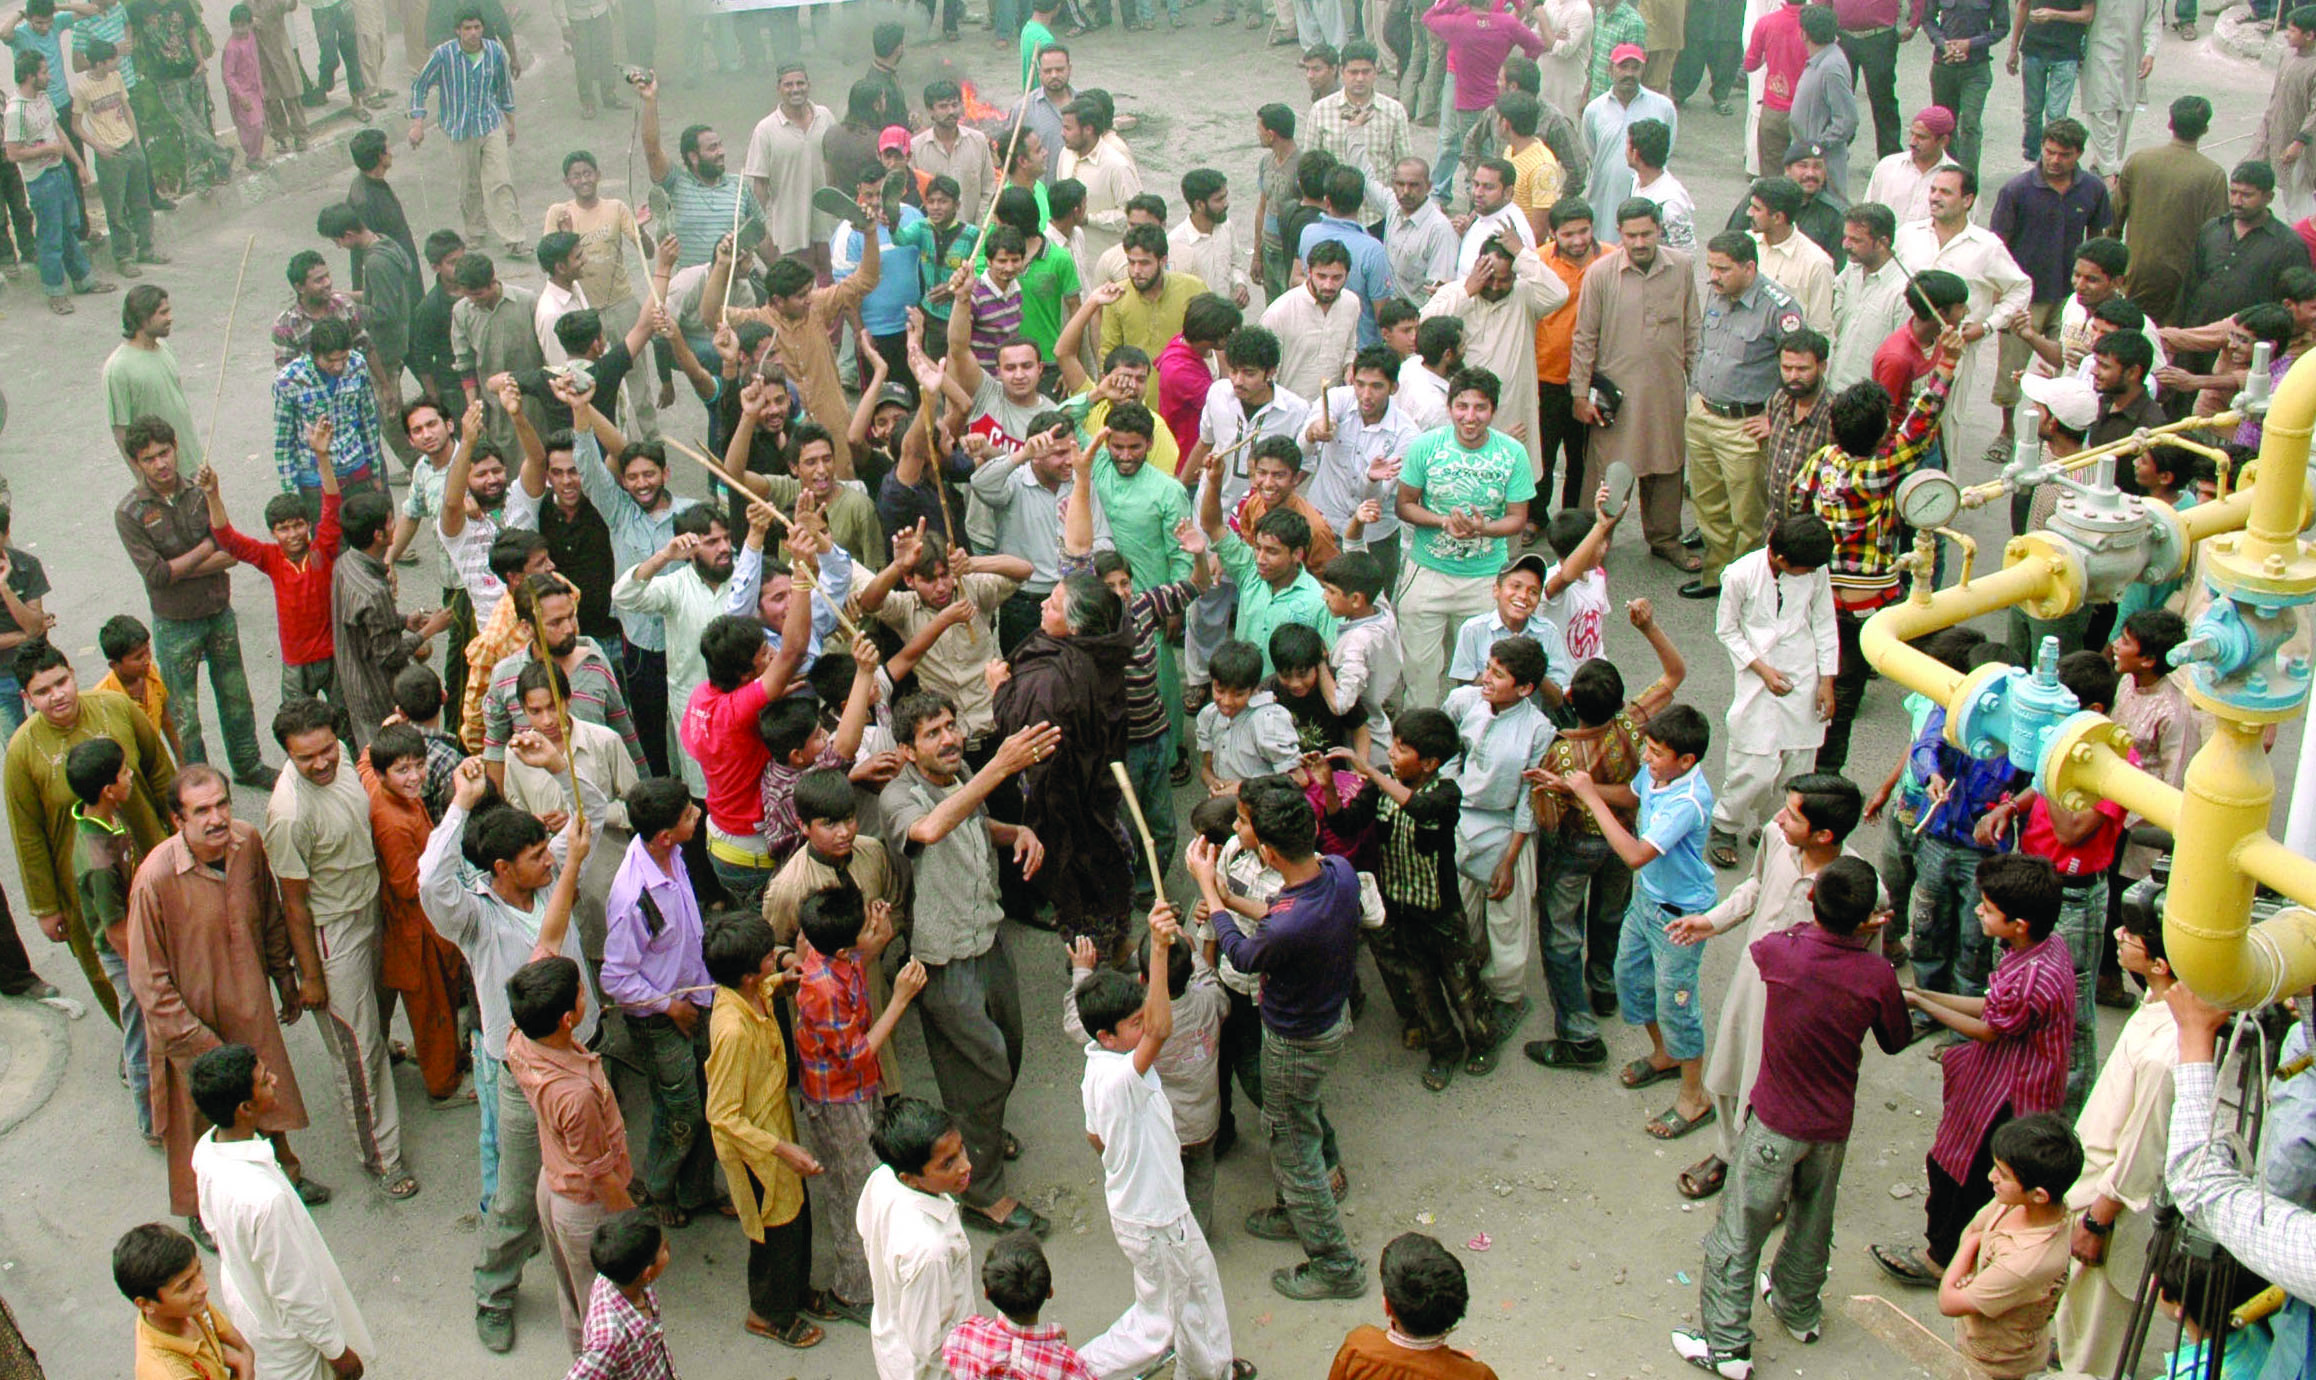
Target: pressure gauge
{"x":1929,"y":498}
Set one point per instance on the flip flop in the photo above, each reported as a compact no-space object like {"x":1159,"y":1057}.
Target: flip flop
{"x":798,"y":1335}
{"x":1704,"y":1178}
{"x":401,"y":1185}
{"x":1640,"y":1073}
{"x":1669,"y":1124}
{"x":1901,"y":1264}
{"x":1620,"y":481}
{"x":831,"y":202}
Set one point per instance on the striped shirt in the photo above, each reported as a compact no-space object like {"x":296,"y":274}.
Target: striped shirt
{"x":996,"y":315}
{"x":700,"y":213}
{"x":477,"y":94}
{"x":1416,"y":845}
{"x":1146,"y":716}
{"x":2030,"y":1005}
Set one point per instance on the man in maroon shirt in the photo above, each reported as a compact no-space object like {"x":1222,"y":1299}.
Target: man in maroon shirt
{"x":1827,"y":989}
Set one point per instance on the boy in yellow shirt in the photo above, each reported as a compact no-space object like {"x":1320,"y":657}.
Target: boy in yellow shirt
{"x":128,"y":648}
{"x":180,"y":1334}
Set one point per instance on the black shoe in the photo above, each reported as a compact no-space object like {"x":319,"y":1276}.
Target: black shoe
{"x":1698,"y":589}
{"x":1694,"y":539}
{"x":496,"y":1328}
{"x":1506,"y":1019}
{"x":39,"y":990}
{"x":1604,"y":1003}
{"x":1567,"y":1054}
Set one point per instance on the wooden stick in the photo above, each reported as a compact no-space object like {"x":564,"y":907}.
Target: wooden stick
{"x":1149,"y":844}
{"x":225,"y":351}
{"x":562,"y":710}
{"x":721,"y":473}
{"x":739,"y":200}
{"x":800,"y":575}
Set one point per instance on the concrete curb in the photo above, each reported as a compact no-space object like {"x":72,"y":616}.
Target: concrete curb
{"x":2237,"y":34}
{"x":34,"y":1045}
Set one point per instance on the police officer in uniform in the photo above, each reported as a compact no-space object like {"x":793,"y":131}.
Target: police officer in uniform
{"x":1745,"y":318}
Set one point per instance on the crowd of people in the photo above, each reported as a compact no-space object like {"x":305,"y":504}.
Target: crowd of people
{"x":1039,"y":507}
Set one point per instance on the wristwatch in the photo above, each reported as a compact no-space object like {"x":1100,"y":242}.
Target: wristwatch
{"x":2096,"y":1227}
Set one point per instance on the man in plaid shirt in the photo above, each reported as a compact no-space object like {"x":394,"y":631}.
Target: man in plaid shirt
{"x":329,"y":384}
{"x":623,"y":1338}
{"x":1852,"y":484}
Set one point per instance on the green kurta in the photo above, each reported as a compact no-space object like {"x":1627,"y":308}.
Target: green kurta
{"x":1143,"y":511}
{"x":1262,"y":610}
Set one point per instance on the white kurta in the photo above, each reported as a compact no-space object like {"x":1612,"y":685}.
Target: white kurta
{"x":1316,"y":343}
{"x":1500,"y":336}
{"x":1566,"y":68}
{"x":1999,"y":293}
{"x":1787,"y":621}
{"x":1866,"y":307}
{"x":2125,"y":1127}
{"x":920,"y":1274}
{"x":2122,"y":32}
{"x":276,"y":1277}
{"x":1900,"y":184}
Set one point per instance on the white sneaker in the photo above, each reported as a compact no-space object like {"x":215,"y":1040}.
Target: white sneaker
{"x":1803,"y":1335}
{"x":1694,"y":1349}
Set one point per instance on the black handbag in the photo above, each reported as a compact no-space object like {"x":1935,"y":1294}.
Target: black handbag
{"x":1606,"y":398}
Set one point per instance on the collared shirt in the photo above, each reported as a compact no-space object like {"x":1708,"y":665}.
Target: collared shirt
{"x":1856,"y":496}
{"x":389,"y":280}
{"x":971,"y":162}
{"x":301,"y":589}
{"x":621,"y":1341}
{"x":1224,"y":419}
{"x":2043,"y":226}
{"x":157,"y":530}
{"x":478,"y":95}
{"x":651,"y":943}
{"x":1316,"y":343}
{"x":1040,"y":114}
{"x":1825,"y":993}
{"x":1211,"y":256}
{"x":1422,"y":396}
{"x":302,"y":395}
{"x":320,"y":835}
{"x":1672,"y":819}
{"x":1507,"y":220}
{"x":1422,"y":249}
{"x":920,"y":1274}
{"x":700,"y":212}
{"x":1618,"y":25}
{"x":2268,"y":1234}
{"x":1111,"y":178}
{"x":1866,"y":308}
{"x":1029,"y":522}
{"x":168,"y":1356}
{"x":553,"y":304}
{"x":635,"y":534}
{"x":953,"y":665}
{"x":1365,"y":660}
{"x":786,"y":155}
{"x":2235,"y":271}
{"x":294,"y":328}
{"x":1128,"y":1115}
{"x":957,"y":911}
{"x":1146,"y":324}
{"x":582,"y":1137}
{"x":1900,"y":183}
{"x":1792,"y":440}
{"x":1338,"y":481}
{"x":104,"y":863}
{"x":1737,"y":353}
{"x":1804,"y":270}
{"x":1370,"y":280}
{"x":1498,"y":746}
{"x":748,"y":1112}
{"x":1482,"y":631}
{"x":275,"y":1275}
{"x":1372,"y":138}
{"x":2030,"y":1006}
{"x":685,"y":604}
{"x":833,"y":1060}
{"x":1143,"y":510}
{"x":1676,"y":209}
{"x":1605,"y":123}
{"x":1256,"y":741}
{"x":495,"y":937}
{"x":1262,"y":608}
{"x":1982,"y":23}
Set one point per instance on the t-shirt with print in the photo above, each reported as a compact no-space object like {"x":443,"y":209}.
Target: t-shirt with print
{"x":1451,"y":477}
{"x":1673,"y":819}
{"x":1580,"y":612}
{"x":104,"y":106}
{"x":1003,"y":421}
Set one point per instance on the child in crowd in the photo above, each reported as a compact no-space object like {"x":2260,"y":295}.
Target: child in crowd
{"x":298,"y":561}
{"x":1949,"y":647}
{"x":1018,"y":1282}
{"x":623,"y":1338}
{"x":792,"y":733}
{"x":1518,"y":587}
{"x":1424,"y":949}
{"x":2151,"y":704}
{"x":1274,"y":474}
{"x":2080,"y":845}
{"x":1424,"y":1297}
{"x":2004,"y":1281}
{"x":1656,"y":978}
{"x":181,"y":1335}
{"x":1149,"y":727}
{"x":1584,"y":886}
{"x":919,"y":1262}
{"x":1396,"y":322}
{"x":838,"y":851}
{"x":1503,"y":735}
{"x":1297,"y":653}
{"x":1178,"y":1299}
{"x":2012,"y":1061}
{"x":418,"y":969}
{"x":1189,"y":1066}
{"x":418,"y":702}
{"x":1822,"y":990}
{"x":1575,"y":598}
{"x":1243,"y":731}
{"x":127,"y":645}
{"x":839,"y":1049}
{"x":104,"y":863}
{"x":584,"y":1167}
{"x":1949,"y":956}
{"x":1806,"y":835}
{"x":2192,"y":1291}
{"x":1360,"y":677}
{"x":239,"y":67}
{"x":1776,"y":620}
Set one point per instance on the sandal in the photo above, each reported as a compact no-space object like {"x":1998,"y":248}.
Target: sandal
{"x":1723,"y":853}
{"x":1482,"y":1061}
{"x":1669,"y":1124}
{"x":1438,"y":1073}
{"x":1999,"y":451}
{"x":1242,"y":1370}
{"x":62,"y":306}
{"x":1640,"y":1073}
{"x":1704,"y":1178}
{"x":2187,"y":31}
{"x":800,"y":1333}
{"x":1567,"y":1054}
{"x":1413,"y":1038}
{"x":400,"y":1185}
{"x":1903,"y":1265}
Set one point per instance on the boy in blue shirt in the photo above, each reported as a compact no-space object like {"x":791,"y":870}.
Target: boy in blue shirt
{"x":1656,"y":979}
{"x":1949,"y":955}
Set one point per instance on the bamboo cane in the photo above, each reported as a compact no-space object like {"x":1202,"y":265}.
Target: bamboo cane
{"x":225,"y":350}
{"x":1149,"y":844}
{"x":562,"y":710}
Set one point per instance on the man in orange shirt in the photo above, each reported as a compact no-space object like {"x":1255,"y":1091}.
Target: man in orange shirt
{"x":1571,"y":252}
{"x":414,"y":962}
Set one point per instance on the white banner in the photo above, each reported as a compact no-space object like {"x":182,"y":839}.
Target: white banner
{"x":736,"y":6}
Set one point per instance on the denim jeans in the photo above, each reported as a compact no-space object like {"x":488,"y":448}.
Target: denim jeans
{"x":180,"y":645}
{"x":1950,"y":952}
{"x":510,"y":1230}
{"x":2049,"y":90}
{"x":679,"y":1161}
{"x":1963,"y":90}
{"x":1656,"y":979}
{"x":2082,"y":917}
{"x":487,"y":1072}
{"x":1454,"y":126}
{"x":1771,"y":1176}
{"x":1581,"y":899}
{"x":125,"y":180}
{"x":11,"y":706}
{"x":1293,"y":1070}
{"x":56,"y":214}
{"x":1150,"y":766}
{"x":133,"y":1047}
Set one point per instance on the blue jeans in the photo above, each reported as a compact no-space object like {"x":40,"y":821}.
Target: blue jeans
{"x":1581,"y":897}
{"x":180,"y":646}
{"x":1150,"y":766}
{"x":1656,"y":979}
{"x":133,"y":1047}
{"x":11,"y":706}
{"x":679,"y":1161}
{"x":1950,"y":951}
{"x":2050,"y":89}
{"x":1454,"y":125}
{"x":1771,"y":1178}
{"x":2082,"y":914}
{"x":487,"y":1072}
{"x":1293,"y":1070}
{"x":56,"y":218}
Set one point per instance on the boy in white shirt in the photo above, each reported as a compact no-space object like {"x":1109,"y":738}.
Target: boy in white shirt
{"x":1575,"y":598}
{"x":920,"y":1267}
{"x":1178,"y":1300}
{"x":1362,"y":668}
{"x":1776,"y":618}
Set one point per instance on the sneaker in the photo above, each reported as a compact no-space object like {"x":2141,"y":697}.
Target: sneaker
{"x":1270,"y":1224}
{"x":1729,"y":1365}
{"x":496,"y":1328}
{"x":1304,"y":1283}
{"x":1807,"y":1336}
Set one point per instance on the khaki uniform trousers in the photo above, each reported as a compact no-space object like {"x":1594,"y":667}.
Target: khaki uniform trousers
{"x":1727,"y":484}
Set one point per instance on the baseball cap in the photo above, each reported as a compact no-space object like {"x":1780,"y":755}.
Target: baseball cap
{"x":1532,"y":563}
{"x":894,"y":139}
{"x":893,"y":394}
{"x":1627,"y":52}
{"x":2072,"y":403}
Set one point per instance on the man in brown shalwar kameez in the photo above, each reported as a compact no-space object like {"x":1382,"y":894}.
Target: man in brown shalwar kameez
{"x":206,"y":934}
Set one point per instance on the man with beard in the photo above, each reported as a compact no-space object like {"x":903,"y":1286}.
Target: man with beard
{"x":491,"y":333}
{"x":1869,"y":295}
{"x":1317,"y":322}
{"x":1573,"y":250}
{"x":948,"y":148}
{"x":1098,"y":159}
{"x":1637,"y":321}
{"x":1611,"y":113}
{"x":1736,"y":375}
{"x":2239,"y":256}
{"x":682,"y":584}
{"x":1501,"y":298}
{"x":1071,"y":674}
{"x":1203,"y":244}
{"x":1901,"y":181}
{"x":801,"y":316}
{"x":1148,"y":313}
{"x":593,"y":694}
{"x":1370,"y":279}
{"x":371,"y":639}
{"x":141,"y":378}
{"x":317,"y":841}
{"x":1419,"y":240}
{"x":1493,"y":212}
{"x":206,"y":938}
{"x":1797,"y":422}
{"x":703,"y":198}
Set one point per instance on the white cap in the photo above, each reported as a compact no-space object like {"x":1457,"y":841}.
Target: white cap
{"x":2071,"y":402}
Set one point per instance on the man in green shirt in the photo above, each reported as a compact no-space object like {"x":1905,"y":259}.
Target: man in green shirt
{"x":104,"y":862}
{"x":1463,"y":489}
{"x":1144,"y":504}
{"x":1037,"y":33}
{"x":1273,"y":587}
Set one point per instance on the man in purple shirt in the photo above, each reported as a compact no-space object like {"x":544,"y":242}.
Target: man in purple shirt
{"x":1305,"y":948}
{"x":1477,"y":36}
{"x":1827,"y":989}
{"x":653,"y":970}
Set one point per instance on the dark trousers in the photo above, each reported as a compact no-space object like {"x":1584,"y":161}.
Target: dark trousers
{"x":647,"y":701}
{"x":952,"y":14}
{"x":1951,"y":1205}
{"x":1724,"y":58}
{"x":1429,"y":954}
{"x":16,"y":975}
{"x":24,"y":246}
{"x":1849,"y":691}
{"x":334,"y":36}
{"x":780,"y":1265}
{"x":1963,"y":90}
{"x":679,"y":1161}
{"x":1874,"y":60}
{"x":1558,"y":432}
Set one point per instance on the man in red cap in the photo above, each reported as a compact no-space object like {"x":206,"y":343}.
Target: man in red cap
{"x":1624,"y":104}
{"x":1902,"y":180}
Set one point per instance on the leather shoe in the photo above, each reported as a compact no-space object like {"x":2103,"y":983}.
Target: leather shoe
{"x":1022,"y":1218}
{"x":1698,"y":589}
{"x":1694,"y":539}
{"x":1304,"y":1282}
{"x":496,"y":1328}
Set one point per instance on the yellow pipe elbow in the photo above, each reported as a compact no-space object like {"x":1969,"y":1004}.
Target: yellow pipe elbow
{"x":1883,"y":640}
